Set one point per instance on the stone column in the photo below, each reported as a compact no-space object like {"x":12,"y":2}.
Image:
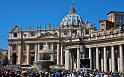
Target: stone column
{"x":121,"y":59}
{"x":118,"y":64}
{"x":102,"y":65}
{"x":67,"y":62}
{"x":105,"y":60}
{"x":78,"y":59}
{"x":97,"y":58}
{"x":58,"y":53}
{"x":90,"y":57}
{"x":70,"y":59}
{"x":52,"y":55}
{"x":36,"y":52}
{"x":110,"y":64}
{"x":28,"y":54}
{"x":19,"y":54}
{"x":113,"y":58}
{"x":61,"y":54}
{"x":9,"y":52}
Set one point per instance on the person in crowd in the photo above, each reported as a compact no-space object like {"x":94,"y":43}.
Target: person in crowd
{"x":106,"y":75}
{"x":58,"y":74}
{"x":98,"y":75}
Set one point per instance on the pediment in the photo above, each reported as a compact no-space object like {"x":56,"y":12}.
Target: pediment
{"x":48,"y":35}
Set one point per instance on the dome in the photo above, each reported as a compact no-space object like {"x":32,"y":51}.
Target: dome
{"x":71,"y":18}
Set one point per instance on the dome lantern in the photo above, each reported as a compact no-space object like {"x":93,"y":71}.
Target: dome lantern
{"x":72,"y":9}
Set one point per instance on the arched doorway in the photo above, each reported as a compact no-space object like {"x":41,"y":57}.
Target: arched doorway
{"x":14,"y":57}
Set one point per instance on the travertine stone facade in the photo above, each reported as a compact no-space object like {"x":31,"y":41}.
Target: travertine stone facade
{"x":74,"y":41}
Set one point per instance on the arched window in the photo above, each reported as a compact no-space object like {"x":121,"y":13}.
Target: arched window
{"x":32,"y":46}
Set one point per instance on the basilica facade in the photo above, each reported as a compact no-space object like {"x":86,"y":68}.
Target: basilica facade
{"x":75,"y":43}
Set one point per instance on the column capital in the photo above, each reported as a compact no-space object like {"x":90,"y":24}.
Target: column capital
{"x":120,"y":44}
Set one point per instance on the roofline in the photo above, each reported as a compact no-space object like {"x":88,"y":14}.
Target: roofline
{"x":103,"y":20}
{"x":115,"y":12}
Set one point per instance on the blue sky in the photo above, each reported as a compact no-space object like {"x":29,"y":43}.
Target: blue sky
{"x":29,"y":13}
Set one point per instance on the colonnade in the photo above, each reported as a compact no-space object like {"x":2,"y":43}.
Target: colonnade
{"x":112,"y":60}
{"x":58,"y":49}
{"x":106,"y":59}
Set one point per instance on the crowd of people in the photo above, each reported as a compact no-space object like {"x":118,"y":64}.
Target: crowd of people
{"x":15,"y":71}
{"x":85,"y":74}
{"x":10,"y":71}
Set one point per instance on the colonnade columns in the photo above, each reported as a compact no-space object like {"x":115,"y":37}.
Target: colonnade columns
{"x":19,"y":54}
{"x":90,"y":57}
{"x":28,"y":54}
{"x":97,"y":58}
{"x":78,"y":59}
{"x":70,"y":59}
{"x":36,"y":52}
{"x":58,"y":53}
{"x":110,"y":63}
{"x":113,"y":58}
{"x":105,"y":60}
{"x":118,"y":60}
{"x":67,"y":62}
{"x":61,"y":54}
{"x":52,"y":55}
{"x":9,"y":52}
{"x":121,"y":59}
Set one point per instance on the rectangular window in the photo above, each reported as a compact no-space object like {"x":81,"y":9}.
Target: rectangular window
{"x":87,"y":31}
{"x":24,"y":48}
{"x":118,"y":19}
{"x":32,"y":33}
{"x":14,"y":47}
{"x":41,"y":46}
{"x":32,"y":46}
{"x":25,"y":35}
{"x":15,"y":34}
